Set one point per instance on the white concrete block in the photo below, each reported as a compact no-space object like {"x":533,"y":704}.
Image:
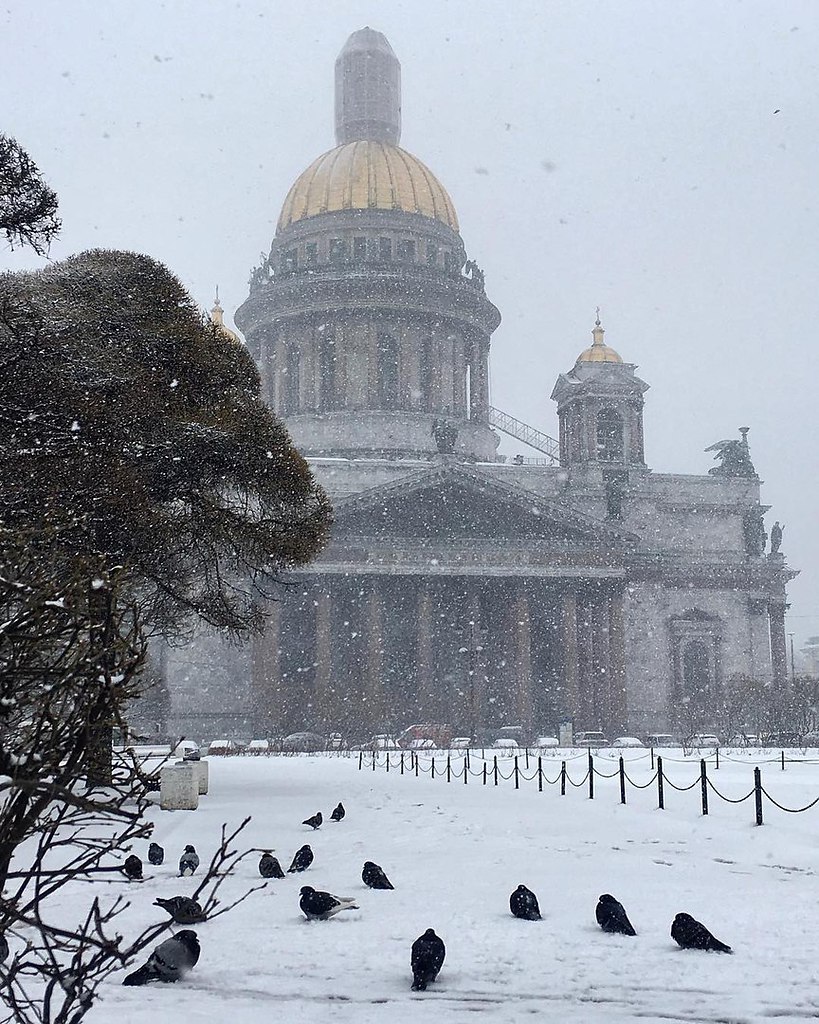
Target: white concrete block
{"x":179,"y":787}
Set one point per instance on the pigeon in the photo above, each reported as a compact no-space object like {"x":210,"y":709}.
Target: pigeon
{"x":523,"y":904}
{"x":374,"y":877}
{"x":302,"y":860}
{"x":612,"y":917}
{"x":156,"y":855}
{"x":428,"y":952}
{"x":315,"y":821}
{"x":188,"y":862}
{"x":170,"y":961}
{"x":4,"y":948}
{"x":321,"y":906}
{"x":690,"y":934}
{"x":132,"y":867}
{"x":183,"y":909}
{"x":269,"y":866}
{"x":338,"y":812}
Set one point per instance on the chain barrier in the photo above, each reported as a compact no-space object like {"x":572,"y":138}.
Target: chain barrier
{"x":790,"y":810}
{"x":493,"y":773}
{"x":727,"y":799}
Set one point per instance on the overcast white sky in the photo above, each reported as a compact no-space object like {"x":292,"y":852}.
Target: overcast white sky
{"x":659,"y":159}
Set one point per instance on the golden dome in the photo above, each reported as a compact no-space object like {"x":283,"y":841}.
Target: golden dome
{"x":598,"y":353}
{"x":367,"y":175}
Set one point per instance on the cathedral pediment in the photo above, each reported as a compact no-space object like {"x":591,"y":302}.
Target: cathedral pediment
{"x":459,"y":502}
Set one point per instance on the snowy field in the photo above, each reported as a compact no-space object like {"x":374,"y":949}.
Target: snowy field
{"x":454,"y":854}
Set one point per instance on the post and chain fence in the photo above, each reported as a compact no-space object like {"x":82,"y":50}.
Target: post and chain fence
{"x":491,"y":773}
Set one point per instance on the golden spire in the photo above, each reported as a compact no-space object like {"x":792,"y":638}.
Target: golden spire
{"x":217,"y":314}
{"x":599,"y":351}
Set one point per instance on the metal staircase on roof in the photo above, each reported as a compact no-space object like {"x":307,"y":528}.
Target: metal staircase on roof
{"x":524,"y":432}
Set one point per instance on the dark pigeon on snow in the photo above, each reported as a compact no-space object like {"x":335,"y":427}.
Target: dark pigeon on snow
{"x":315,"y":821}
{"x":132,"y":867}
{"x":183,"y":909}
{"x":188,"y":862}
{"x":374,"y":876}
{"x":523,"y":904}
{"x":170,"y":960}
{"x":156,"y":855}
{"x":690,"y":934}
{"x":269,"y":866}
{"x":321,"y":906}
{"x":428,"y":952}
{"x":302,"y":860}
{"x":338,"y":812}
{"x":612,"y":917}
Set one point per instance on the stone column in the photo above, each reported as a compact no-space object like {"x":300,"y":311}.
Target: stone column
{"x":779,"y":653}
{"x":373,"y":657}
{"x":585,"y":666}
{"x":477,"y":694}
{"x":568,"y":638}
{"x":618,"y":701}
{"x":265,"y":674}
{"x":427,"y":699}
{"x":600,"y":661}
{"x":324,"y":658}
{"x":523,"y":659}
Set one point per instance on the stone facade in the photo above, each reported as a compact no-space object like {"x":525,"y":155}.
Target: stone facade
{"x":458,"y":588}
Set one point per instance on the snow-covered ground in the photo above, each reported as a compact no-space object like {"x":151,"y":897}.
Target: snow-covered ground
{"x":454,"y":854}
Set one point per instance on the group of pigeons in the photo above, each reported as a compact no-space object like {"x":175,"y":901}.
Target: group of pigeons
{"x":611,"y":915}
{"x":174,"y":957}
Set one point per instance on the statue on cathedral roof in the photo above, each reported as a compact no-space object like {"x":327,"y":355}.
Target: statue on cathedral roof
{"x":734,"y":456}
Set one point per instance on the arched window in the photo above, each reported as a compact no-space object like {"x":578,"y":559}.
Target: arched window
{"x":327,"y":367}
{"x":387,"y":371}
{"x":610,"y":443}
{"x":426,"y":373}
{"x":291,"y":382}
{"x":697,"y":675}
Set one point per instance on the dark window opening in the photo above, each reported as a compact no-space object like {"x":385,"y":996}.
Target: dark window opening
{"x":385,"y":248}
{"x":338,"y":250}
{"x":311,"y":254}
{"x":359,"y":248}
{"x":432,"y":254}
{"x":610,"y":443}
{"x":289,"y":259}
{"x":387,"y":371}
{"x":697,"y":678}
{"x":406,"y":250}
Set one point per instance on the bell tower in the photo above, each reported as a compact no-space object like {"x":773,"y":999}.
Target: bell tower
{"x":600,"y":409}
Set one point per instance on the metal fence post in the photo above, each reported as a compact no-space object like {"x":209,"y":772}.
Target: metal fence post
{"x":402,"y":762}
{"x":758,"y":794}
{"x":622,"y":780}
{"x":540,"y":774}
{"x":517,"y":777}
{"x":495,"y":769}
{"x":416,"y":764}
{"x":360,"y":759}
{"x":717,"y":764}
{"x":562,"y":778}
{"x":484,"y":773}
{"x":660,"y":795}
{"x":783,"y":760}
{"x":466,"y":770}
{"x":388,"y":760}
{"x":433,"y":766}
{"x":704,"y":786}
{"x":652,"y":758}
{"x":448,"y":768}
{"x":591,"y":776}
{"x":375,"y":758}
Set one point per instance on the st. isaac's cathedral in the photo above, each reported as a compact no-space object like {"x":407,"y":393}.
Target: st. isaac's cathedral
{"x":459,"y":587}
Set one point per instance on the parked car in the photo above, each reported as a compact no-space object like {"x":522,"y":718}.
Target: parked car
{"x":661,"y":739}
{"x":704,"y":740}
{"x":221,"y":748}
{"x":505,"y":743}
{"x":439,"y":734}
{"x":187,"y":749}
{"x":303,"y":742}
{"x":547,"y":741}
{"x":422,"y":745}
{"x":335,"y":741}
{"x":258,"y":747}
{"x":382,"y":742}
{"x":461,"y":742}
{"x":590,"y":739}
{"x":627,"y":741}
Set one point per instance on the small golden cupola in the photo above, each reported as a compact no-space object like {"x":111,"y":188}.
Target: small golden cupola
{"x":599,"y":351}
{"x":217,"y":317}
